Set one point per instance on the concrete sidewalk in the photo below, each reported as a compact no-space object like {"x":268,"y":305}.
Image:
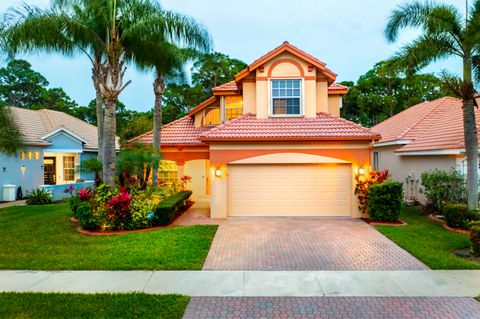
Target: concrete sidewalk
{"x":462,"y":283}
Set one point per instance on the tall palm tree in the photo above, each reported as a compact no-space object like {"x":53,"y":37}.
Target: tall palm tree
{"x":445,"y":33}
{"x":110,"y":29}
{"x":30,"y":29}
{"x":168,"y":63}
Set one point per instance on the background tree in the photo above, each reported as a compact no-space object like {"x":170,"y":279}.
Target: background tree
{"x":385,"y":91}
{"x":10,"y":138}
{"x":445,"y":32}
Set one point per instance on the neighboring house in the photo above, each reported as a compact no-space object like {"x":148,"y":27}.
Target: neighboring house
{"x":271,"y":142}
{"x":55,"y":144}
{"x":425,"y":136}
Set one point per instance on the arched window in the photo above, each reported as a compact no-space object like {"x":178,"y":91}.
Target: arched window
{"x":212,"y":117}
{"x":167,"y":171}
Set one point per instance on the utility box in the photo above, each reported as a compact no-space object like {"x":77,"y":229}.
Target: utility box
{"x":9,"y":192}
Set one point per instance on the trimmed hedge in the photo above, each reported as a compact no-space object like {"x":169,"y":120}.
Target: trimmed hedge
{"x":457,"y":215}
{"x":385,"y":201}
{"x":168,"y":209}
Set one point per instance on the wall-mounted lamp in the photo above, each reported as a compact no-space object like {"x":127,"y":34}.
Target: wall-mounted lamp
{"x":4,"y":169}
{"x":23,"y":169}
{"x":361,"y":171}
{"x":218,"y":172}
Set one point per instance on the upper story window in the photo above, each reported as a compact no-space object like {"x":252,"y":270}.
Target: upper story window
{"x":233,"y":107}
{"x":212,"y":117}
{"x":286,"y":97}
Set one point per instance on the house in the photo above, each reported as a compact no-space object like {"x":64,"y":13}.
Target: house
{"x":425,"y":136}
{"x":270,"y":142}
{"x":55,"y":144}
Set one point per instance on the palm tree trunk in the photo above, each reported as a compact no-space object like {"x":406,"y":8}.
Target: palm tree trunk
{"x":158,"y":88}
{"x":470,"y":134}
{"x":109,"y":150}
{"x":96,"y":74}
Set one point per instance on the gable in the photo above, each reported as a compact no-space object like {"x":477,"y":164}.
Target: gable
{"x":64,"y":141}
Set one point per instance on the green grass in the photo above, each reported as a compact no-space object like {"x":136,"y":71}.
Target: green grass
{"x":39,"y":305}
{"x":428,"y":241}
{"x":43,"y":238}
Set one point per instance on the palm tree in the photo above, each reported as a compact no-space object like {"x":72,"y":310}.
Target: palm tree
{"x":168,"y":62}
{"x":445,"y":33}
{"x":111,"y":30}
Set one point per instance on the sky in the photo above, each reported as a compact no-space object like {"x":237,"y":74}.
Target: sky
{"x":347,"y":35}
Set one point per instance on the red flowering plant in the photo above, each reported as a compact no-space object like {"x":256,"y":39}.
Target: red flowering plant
{"x":184,"y":180}
{"x":84,"y":194}
{"x":118,"y":209}
{"x":364,"y":182}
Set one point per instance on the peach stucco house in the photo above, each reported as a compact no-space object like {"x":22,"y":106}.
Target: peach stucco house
{"x":425,"y":136}
{"x":271,"y":142}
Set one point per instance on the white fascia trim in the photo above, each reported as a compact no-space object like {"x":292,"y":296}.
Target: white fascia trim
{"x":62,"y":150}
{"x":431,"y":152}
{"x":390,"y":143}
{"x":63,"y":129}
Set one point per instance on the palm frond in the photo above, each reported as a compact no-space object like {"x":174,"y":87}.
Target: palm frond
{"x":423,"y":51}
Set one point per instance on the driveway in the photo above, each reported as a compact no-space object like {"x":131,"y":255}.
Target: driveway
{"x":305,"y":244}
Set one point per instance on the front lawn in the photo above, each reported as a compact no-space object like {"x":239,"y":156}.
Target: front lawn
{"x":428,"y":241}
{"x":137,"y":305}
{"x":43,"y":238}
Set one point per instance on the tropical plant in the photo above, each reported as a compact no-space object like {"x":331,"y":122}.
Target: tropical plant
{"x":443,"y":186}
{"x":108,"y":32}
{"x":118,"y":208}
{"x":93,"y":165}
{"x":445,"y":33}
{"x":474,"y":228}
{"x":38,"y":197}
{"x":135,"y":165}
{"x":362,"y":185}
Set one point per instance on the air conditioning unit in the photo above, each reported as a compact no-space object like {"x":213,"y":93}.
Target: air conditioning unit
{"x":9,"y":192}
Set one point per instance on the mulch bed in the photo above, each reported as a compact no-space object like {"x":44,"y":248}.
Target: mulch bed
{"x":465,"y":253}
{"x":384,"y":223}
{"x":442,"y":221}
{"x":123,"y":232}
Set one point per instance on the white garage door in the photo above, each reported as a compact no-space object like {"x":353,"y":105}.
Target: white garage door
{"x":289,"y":190}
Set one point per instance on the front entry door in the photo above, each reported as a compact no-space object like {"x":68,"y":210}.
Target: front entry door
{"x":49,"y":171}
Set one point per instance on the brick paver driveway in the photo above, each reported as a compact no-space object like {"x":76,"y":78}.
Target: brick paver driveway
{"x":333,"y":307}
{"x":304,"y":244}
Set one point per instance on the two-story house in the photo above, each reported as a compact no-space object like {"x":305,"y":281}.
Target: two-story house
{"x":271,"y":142}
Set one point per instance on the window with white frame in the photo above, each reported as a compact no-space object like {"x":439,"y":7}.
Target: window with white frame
{"x":69,"y":168}
{"x":286,"y":97}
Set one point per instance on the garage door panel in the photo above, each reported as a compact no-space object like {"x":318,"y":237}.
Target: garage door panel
{"x":290,"y":190}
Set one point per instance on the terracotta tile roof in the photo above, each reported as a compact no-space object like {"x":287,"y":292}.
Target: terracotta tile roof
{"x":211,"y":100}
{"x":324,"y":127}
{"x":435,"y":125}
{"x":34,"y":124}
{"x":181,"y":131}
{"x":227,"y":87}
{"x":336,"y":86}
{"x":286,"y":46}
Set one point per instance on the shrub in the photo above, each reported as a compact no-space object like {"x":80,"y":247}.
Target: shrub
{"x":92,"y":216}
{"x":142,"y":209}
{"x":169,"y":209}
{"x":118,"y":208}
{"x":441,"y":186}
{"x":475,"y":237}
{"x":457,"y":215}
{"x":363,"y":183}
{"x":385,"y":201}
{"x":38,"y":197}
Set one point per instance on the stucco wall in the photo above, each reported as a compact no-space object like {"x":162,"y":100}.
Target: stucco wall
{"x":334,"y":104}
{"x":11,"y":172}
{"x":400,"y":167}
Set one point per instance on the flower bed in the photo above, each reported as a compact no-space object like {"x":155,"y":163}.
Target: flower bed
{"x":123,"y":209}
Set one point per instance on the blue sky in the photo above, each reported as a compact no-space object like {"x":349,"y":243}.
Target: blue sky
{"x":347,"y":35}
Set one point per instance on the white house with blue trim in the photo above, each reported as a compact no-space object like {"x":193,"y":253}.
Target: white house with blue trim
{"x":55,"y":144}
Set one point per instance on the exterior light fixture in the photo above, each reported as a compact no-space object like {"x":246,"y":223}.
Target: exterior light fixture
{"x":361,"y":171}
{"x":23,"y":169}
{"x":218,"y":172}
